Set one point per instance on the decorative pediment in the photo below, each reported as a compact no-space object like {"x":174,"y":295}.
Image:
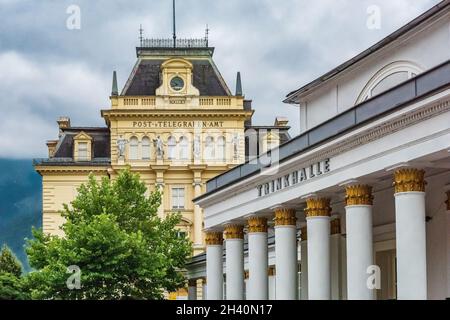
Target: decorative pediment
{"x":176,"y":64}
{"x":83,"y":136}
{"x":176,"y":76}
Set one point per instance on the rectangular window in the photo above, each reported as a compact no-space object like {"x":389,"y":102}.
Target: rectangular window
{"x":177,"y":198}
{"x":181,"y":234}
{"x":83,"y":151}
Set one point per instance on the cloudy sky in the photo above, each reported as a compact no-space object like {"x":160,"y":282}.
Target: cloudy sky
{"x":48,"y":70}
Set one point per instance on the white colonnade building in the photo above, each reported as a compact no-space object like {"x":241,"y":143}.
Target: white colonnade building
{"x":358,"y":205}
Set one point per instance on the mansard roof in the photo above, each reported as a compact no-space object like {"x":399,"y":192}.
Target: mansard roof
{"x":145,"y":77}
{"x":100,"y":142}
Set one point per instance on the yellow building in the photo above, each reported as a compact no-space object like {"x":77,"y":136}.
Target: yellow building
{"x":175,"y":122}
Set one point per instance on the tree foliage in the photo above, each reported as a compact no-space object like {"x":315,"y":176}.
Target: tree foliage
{"x":115,"y":237}
{"x":9,"y":263}
{"x":11,"y":282}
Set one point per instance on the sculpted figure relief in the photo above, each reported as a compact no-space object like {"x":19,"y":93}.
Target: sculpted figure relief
{"x":121,"y":144}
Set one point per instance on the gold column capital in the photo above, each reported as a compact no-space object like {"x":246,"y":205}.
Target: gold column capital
{"x":257,"y":224}
{"x":213,"y":238}
{"x":234,"y":231}
{"x":304,"y":233}
{"x":335,"y":226}
{"x":448,"y":200}
{"x":409,"y":180}
{"x":285,"y":217}
{"x":358,"y":195}
{"x":318,"y":207}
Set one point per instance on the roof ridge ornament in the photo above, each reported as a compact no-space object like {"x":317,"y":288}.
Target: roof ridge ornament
{"x":207,"y":35}
{"x":238,"y":85}
{"x":174,"y":26}
{"x":141,"y":35}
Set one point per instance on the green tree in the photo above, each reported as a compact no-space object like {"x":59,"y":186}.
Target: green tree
{"x":11,"y":282}
{"x":115,"y":237}
{"x":9,"y":263}
{"x":12,"y":287}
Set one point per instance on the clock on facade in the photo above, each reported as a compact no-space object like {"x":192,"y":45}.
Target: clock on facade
{"x":177,"y":83}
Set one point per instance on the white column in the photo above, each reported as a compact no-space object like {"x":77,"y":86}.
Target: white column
{"x":234,"y":263}
{"x":257,"y":284}
{"x":304,"y":262}
{"x":192,"y":289}
{"x":246,"y":282}
{"x":359,"y":241}
{"x":335,"y":259}
{"x":271,"y":284}
{"x":286,"y":254}
{"x":318,"y":224}
{"x":410,"y":234}
{"x":214,"y":265}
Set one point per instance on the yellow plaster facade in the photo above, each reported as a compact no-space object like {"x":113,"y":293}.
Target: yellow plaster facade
{"x":176,"y":140}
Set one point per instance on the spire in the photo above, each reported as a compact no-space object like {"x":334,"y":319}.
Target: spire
{"x":174,"y":26}
{"x":238,"y":85}
{"x":115,"y":90}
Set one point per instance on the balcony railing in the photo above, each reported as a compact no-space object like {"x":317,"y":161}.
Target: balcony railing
{"x":150,"y":101}
{"x":178,"y":43}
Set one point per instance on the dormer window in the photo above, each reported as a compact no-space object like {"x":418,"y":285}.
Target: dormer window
{"x":82,"y":147}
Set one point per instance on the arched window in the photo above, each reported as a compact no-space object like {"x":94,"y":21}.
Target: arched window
{"x":221,"y":148}
{"x":184,"y":148}
{"x":171,"y":148}
{"x":209,"y":148}
{"x":146,"y":148}
{"x":387,"y":78}
{"x":134,"y":144}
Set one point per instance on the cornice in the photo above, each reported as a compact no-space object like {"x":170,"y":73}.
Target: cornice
{"x":70,"y":169}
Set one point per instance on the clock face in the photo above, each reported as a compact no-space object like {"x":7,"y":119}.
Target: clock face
{"x":177,"y":83}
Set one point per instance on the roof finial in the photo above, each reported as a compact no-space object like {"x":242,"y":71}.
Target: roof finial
{"x":206,"y":35}
{"x":174,"y":26}
{"x":141,"y":35}
{"x":238,"y":85}
{"x":115,"y":90}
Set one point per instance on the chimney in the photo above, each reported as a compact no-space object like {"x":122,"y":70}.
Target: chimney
{"x":63,"y":122}
{"x":51,"y":144}
{"x":281,"y":122}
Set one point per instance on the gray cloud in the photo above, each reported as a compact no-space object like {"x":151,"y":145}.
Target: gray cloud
{"x":47,"y":70}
